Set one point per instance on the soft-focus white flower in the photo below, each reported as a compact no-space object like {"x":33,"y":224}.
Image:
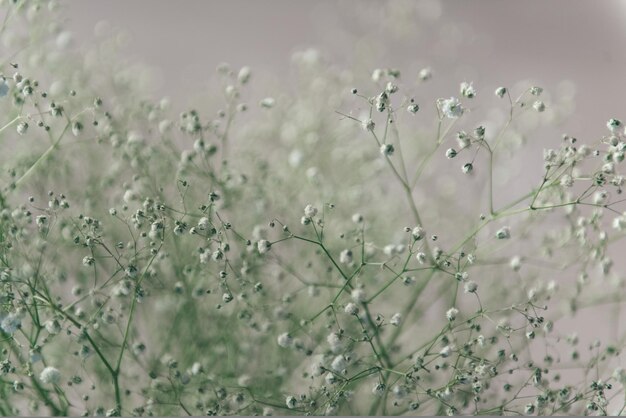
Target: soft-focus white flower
{"x":452,"y":108}
{"x":50,"y":375}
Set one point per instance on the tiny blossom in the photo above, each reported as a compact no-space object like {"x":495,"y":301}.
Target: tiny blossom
{"x":425,"y":74}
{"x":263,"y":246}
{"x":619,"y":222}
{"x":11,"y":323}
{"x":351,"y":309}
{"x":412,"y":108}
{"x":379,"y":389}
{"x":418,"y":233}
{"x":566,"y":181}
{"x":451,"y":153}
{"x":467,"y":168}
{"x":334,"y":341}
{"x":382,"y":100}
{"x":50,"y":375}
{"x":368,"y":125}
{"x":345,"y":257}
{"x":614,"y":125}
{"x":467,"y":90}
{"x":387,"y":149}
{"x":88,"y":261}
{"x":451,"y":314}
{"x":503,"y":233}
{"x":22,"y":128}
{"x":500,"y":92}
{"x":452,"y":108}
{"x":470,"y":287}
{"x":536,"y":91}
{"x":515,"y":263}
{"x":446,"y":351}
{"x":310,"y":211}
{"x":377,"y":74}
{"x":463,"y":139}
{"x":339,"y":363}
{"x":358,"y":295}
{"x":244,"y":75}
{"x":77,"y":128}
{"x":285,"y":340}
{"x":421,"y":257}
{"x":539,"y":106}
{"x":53,"y":326}
{"x":330,"y":378}
{"x":391,"y":88}
{"x":268,"y":102}
{"x":357,"y":218}
{"x":600,"y":197}
{"x":291,"y":402}
{"x":396,"y":319}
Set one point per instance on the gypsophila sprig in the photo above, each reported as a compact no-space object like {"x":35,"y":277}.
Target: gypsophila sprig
{"x":190,"y":261}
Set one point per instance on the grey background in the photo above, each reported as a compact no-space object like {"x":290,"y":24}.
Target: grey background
{"x":492,"y":42}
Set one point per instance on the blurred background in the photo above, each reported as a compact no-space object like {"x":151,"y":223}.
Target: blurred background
{"x":490,"y":42}
{"x":572,"y":48}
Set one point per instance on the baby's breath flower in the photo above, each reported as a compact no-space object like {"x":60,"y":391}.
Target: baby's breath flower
{"x":351,"y":309}
{"x":268,"y":102}
{"x":88,"y":261}
{"x":377,"y":74}
{"x":387,"y":149}
{"x":396,"y":319}
{"x":451,"y":314}
{"x":539,"y":106}
{"x":310,"y":211}
{"x":425,"y":74}
{"x":334,"y":341}
{"x":536,"y":91}
{"x":418,"y":233}
{"x":263,"y":246}
{"x":503,"y":233}
{"x":368,"y":125}
{"x":357,"y":218}
{"x":614,"y":125}
{"x":53,"y":326}
{"x":382,"y":101}
{"x":463,"y":139}
{"x":22,"y":128}
{"x":358,"y":295}
{"x":445,"y":351}
{"x":244,"y":75}
{"x":451,"y":108}
{"x":339,"y":363}
{"x":412,"y":108}
{"x":470,"y":287}
{"x":285,"y":340}
{"x":379,"y":389}
{"x":500,"y":92}
{"x":11,"y":323}
{"x":291,"y":402}
{"x":77,"y":128}
{"x":467,"y":90}
{"x":391,"y":88}
{"x":515,"y":263}
{"x":50,"y":375}
{"x":345,"y":257}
